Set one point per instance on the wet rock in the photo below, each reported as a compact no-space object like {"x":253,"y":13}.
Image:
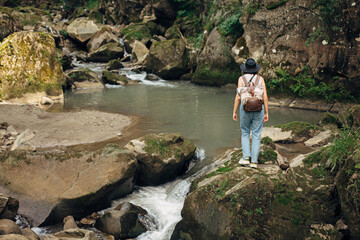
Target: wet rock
{"x":152,"y":77}
{"x":324,"y":231}
{"x":161,"y":157}
{"x":8,"y":207}
{"x":30,"y":234}
{"x":114,"y":64}
{"x":107,"y":52}
{"x":33,"y":67}
{"x":101,"y":37}
{"x":115,"y":78}
{"x":69,"y":223}
{"x":139,"y":52}
{"x":46,"y":101}
{"x":89,"y":181}
{"x":80,"y":234}
{"x":83,"y":78}
{"x":8,"y":227}
{"x":168,"y":59}
{"x":82,"y":29}
{"x":123,"y":222}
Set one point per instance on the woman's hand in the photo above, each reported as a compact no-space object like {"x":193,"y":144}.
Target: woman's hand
{"x":266,"y":117}
{"x":234,"y":116}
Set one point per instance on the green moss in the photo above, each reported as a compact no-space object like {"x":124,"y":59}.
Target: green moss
{"x":267,"y":155}
{"x":268,"y":142}
{"x":215,"y":77}
{"x":302,"y":129}
{"x":277,"y":4}
{"x":328,"y":118}
{"x":139,"y":31}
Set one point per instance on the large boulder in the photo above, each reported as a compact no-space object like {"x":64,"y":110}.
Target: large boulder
{"x":107,"y":52}
{"x":115,"y":78}
{"x":13,"y":237}
{"x":139,"y":52}
{"x":142,"y":32}
{"x":123,"y":222}
{"x":7,"y":24}
{"x":8,"y":207}
{"x":324,"y":42}
{"x":9,"y":227}
{"x":168,"y":59}
{"x":215,"y":66}
{"x":78,"y":183}
{"x":234,"y":202}
{"x":82,"y":29}
{"x":29,"y":62}
{"x":114,"y":64}
{"x":161,"y":157}
{"x":101,"y":37}
{"x":83,"y":78}
{"x":76,"y":233}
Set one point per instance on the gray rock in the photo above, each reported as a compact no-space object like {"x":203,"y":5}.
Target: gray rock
{"x":46,"y":101}
{"x":139,"y":52}
{"x":276,"y":134}
{"x":22,"y":138}
{"x":107,"y":52}
{"x":123,"y":222}
{"x":69,"y":223}
{"x":320,"y":139}
{"x":101,"y":37}
{"x":83,"y":78}
{"x":82,"y":29}
{"x":8,"y":207}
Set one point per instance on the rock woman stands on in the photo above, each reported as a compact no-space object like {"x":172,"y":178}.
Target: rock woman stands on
{"x":251,"y":121}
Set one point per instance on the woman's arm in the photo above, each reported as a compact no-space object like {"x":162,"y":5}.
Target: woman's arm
{"x":266,"y":104}
{"x":237,"y":101}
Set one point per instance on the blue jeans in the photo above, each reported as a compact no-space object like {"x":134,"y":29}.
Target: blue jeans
{"x":253,"y":121}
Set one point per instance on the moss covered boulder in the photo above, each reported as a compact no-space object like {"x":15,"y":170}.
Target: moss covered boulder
{"x":168,"y":59}
{"x":107,"y":52}
{"x":234,"y":202}
{"x":29,"y":62}
{"x":215,"y":66}
{"x":161,"y":157}
{"x":83,"y":78}
{"x":114,"y":64}
{"x":142,"y":32}
{"x":115,"y":78}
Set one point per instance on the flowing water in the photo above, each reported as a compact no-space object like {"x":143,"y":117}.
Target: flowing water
{"x":203,"y":114}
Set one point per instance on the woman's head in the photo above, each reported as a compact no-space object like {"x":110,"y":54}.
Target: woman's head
{"x":250,"y":66}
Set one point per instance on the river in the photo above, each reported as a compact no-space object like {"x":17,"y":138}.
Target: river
{"x":203,"y":114}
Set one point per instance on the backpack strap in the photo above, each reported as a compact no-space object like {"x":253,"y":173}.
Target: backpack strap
{"x":257,"y":80}
{"x":244,"y":81}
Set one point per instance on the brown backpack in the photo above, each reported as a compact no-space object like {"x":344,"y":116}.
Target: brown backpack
{"x":253,"y":104}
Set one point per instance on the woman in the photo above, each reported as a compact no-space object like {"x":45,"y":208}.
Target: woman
{"x":251,"y":121}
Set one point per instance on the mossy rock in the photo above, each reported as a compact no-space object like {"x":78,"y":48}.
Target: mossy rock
{"x":328,"y":118}
{"x":83,"y":78}
{"x":107,"y":52}
{"x":139,"y":31}
{"x":267,"y":156}
{"x":115,"y":78}
{"x":114,"y":64}
{"x":301,"y":131}
{"x":168,"y":59}
{"x":29,"y":62}
{"x":243,"y":203}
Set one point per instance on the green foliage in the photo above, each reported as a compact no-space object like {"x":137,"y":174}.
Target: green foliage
{"x":187,"y":8}
{"x":299,"y":128}
{"x":251,"y":9}
{"x":344,"y":145}
{"x":196,"y":41}
{"x":274,"y":5}
{"x":314,"y":35}
{"x":329,"y":12}
{"x":231,"y":26}
{"x":63,"y":33}
{"x":267,"y":155}
{"x":304,"y":85}
{"x":268,"y":142}
{"x":215,"y":77}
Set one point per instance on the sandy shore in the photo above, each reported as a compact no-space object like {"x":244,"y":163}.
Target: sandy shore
{"x":64,"y":129}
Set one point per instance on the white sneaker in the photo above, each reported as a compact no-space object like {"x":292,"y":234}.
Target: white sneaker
{"x":244,"y":161}
{"x":253,"y":165}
